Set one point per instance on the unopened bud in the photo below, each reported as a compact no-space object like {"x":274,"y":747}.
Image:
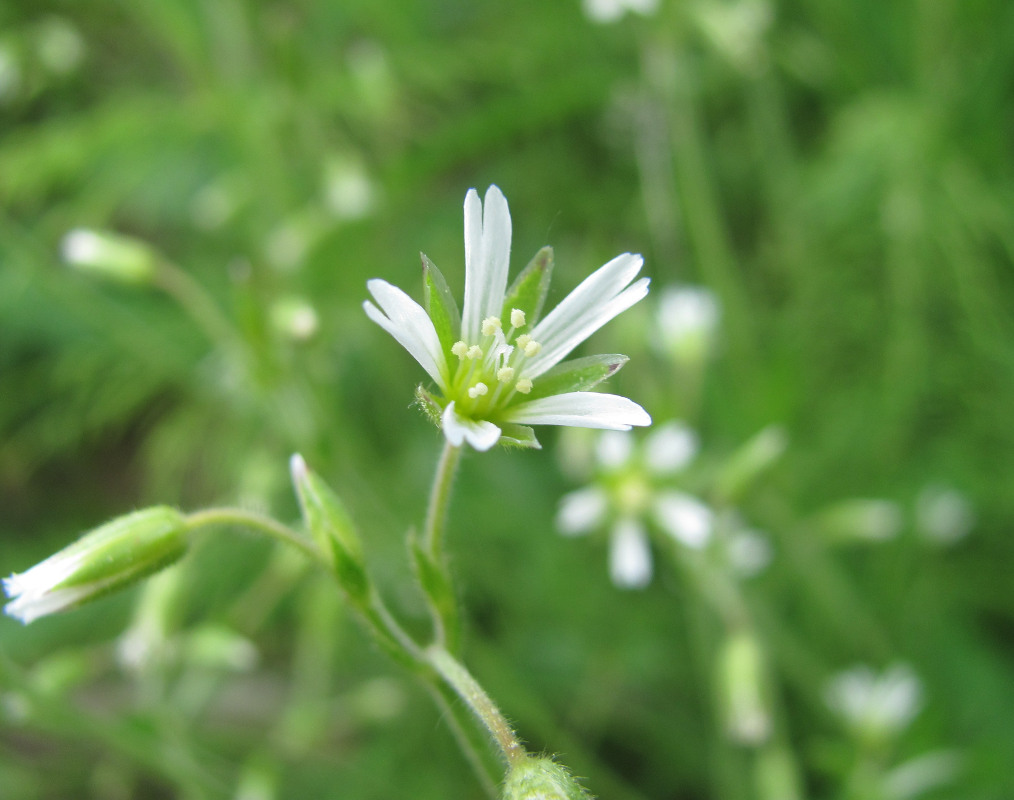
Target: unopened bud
{"x":108,"y":558}
{"x":741,"y":673}
{"x":294,"y":318}
{"x":861,"y":519}
{"x":541,"y":778}
{"x":110,"y":256}
{"x":332,"y":528}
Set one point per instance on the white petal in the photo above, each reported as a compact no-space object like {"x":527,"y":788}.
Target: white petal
{"x":669,"y":448}
{"x":629,"y":555}
{"x":685,"y":518}
{"x":581,"y":511}
{"x":599,"y":298}
{"x":481,"y":434}
{"x":410,"y":325}
{"x":581,"y":410}
{"x":487,"y":259}
{"x":614,"y":449}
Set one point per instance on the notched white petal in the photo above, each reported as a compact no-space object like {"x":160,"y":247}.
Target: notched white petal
{"x":481,"y":434}
{"x":410,"y":325}
{"x":581,"y":410}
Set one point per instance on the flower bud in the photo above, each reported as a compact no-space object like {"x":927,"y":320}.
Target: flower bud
{"x":332,"y":528}
{"x":541,"y":778}
{"x":109,"y":255}
{"x":108,"y":558}
{"x":741,"y":673}
{"x":861,"y":519}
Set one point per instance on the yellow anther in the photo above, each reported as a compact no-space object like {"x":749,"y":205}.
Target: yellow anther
{"x":505,"y":374}
{"x":478,"y":390}
{"x":490,"y":325}
{"x":532,"y":349}
{"x":474,"y":352}
{"x":460,"y":349}
{"x":523,"y":340}
{"x":517,"y":318}
{"x":524,"y":385}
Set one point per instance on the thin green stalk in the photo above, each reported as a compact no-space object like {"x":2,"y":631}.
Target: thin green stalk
{"x":480,"y":703}
{"x":440,"y":497}
{"x":266,"y":525}
{"x":195,"y":300}
{"x":469,"y":738}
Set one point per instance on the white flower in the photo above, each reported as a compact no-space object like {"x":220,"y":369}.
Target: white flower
{"x":630,"y":554}
{"x":606,"y":11}
{"x":943,"y":515}
{"x":497,"y":365}
{"x":876,"y":706}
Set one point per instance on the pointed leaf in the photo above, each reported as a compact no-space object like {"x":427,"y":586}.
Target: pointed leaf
{"x":528,"y":292}
{"x":440,"y":305}
{"x":439,"y":590}
{"x":576,"y":375}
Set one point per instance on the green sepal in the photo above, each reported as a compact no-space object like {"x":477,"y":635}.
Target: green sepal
{"x":436,"y":585}
{"x":126,"y":549}
{"x":333,"y":529}
{"x":541,"y":778}
{"x":440,"y":305}
{"x":530,"y":287}
{"x":428,"y":404}
{"x":514,"y":435}
{"x":576,"y":375}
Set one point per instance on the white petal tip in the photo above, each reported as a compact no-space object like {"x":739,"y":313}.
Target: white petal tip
{"x":297,"y":468}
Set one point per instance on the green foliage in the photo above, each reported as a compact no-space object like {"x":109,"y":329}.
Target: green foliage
{"x":838,"y":173}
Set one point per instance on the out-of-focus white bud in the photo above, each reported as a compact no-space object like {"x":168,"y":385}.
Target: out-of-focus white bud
{"x":109,"y":256}
{"x":943,"y":515}
{"x":348,"y":191}
{"x":605,"y":12}
{"x":861,"y":519}
{"x":60,"y":46}
{"x":294,"y":318}
{"x":687,"y":322}
{"x":741,"y":677}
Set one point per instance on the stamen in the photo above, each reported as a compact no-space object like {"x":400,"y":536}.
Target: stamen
{"x":523,"y":340}
{"x":517,"y":318}
{"x":524,"y":385}
{"x":532,"y":349}
{"x":474,"y":352}
{"x":478,"y":390}
{"x":460,"y":349}
{"x":491,"y":324}
{"x":505,"y":374}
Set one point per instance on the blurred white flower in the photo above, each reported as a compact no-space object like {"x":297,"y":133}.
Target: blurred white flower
{"x":687,"y":321}
{"x":943,"y":515}
{"x":606,"y":11}
{"x":749,"y":551}
{"x":629,"y":493}
{"x":876,"y":707}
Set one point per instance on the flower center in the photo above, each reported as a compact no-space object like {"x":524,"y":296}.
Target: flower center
{"x":490,"y":372}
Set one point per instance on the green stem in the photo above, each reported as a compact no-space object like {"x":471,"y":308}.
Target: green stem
{"x":480,"y":703}
{"x":195,"y":300}
{"x":468,"y":737}
{"x":440,"y":497}
{"x":266,"y":525}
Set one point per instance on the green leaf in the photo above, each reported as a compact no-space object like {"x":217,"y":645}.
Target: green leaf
{"x":437,"y":586}
{"x":528,"y":292}
{"x":576,"y":375}
{"x":440,"y":305}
